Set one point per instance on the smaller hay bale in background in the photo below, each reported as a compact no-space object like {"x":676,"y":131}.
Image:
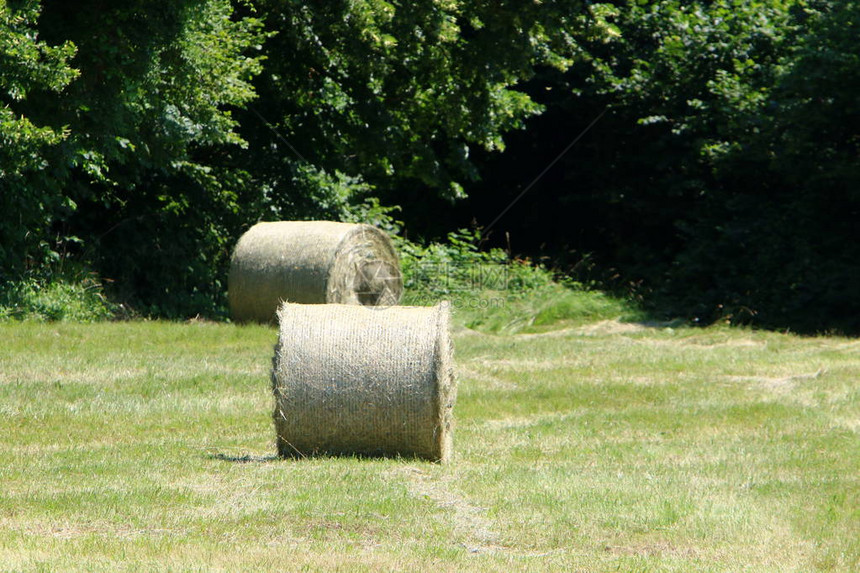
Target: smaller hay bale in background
{"x":311,"y":262}
{"x":360,"y":380}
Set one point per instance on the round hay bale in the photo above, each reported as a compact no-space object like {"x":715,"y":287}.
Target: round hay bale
{"x":364,"y":380}
{"x":311,"y":262}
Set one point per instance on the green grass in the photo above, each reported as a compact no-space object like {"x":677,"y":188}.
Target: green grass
{"x":582,"y":444}
{"x":548,"y":307}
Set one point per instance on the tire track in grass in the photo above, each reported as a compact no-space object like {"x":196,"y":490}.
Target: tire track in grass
{"x":469,"y":521}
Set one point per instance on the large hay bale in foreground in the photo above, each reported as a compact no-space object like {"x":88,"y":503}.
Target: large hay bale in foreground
{"x":311,"y":262}
{"x":360,"y":380}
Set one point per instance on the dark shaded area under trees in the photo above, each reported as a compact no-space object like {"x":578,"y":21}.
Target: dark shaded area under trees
{"x":721,"y":180}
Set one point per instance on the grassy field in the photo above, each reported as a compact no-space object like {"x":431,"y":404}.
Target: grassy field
{"x":593,"y":445}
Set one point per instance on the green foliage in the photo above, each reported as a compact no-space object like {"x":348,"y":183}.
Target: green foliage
{"x":140,"y":139}
{"x":721,"y":181}
{"x":772,"y":241}
{"x":493,"y":292}
{"x":81,"y":299}
{"x":153,"y":160}
{"x":146,"y":178}
{"x":690,"y":115}
{"x":127,"y":160}
{"x":29,"y":196}
{"x":372,"y":212}
{"x":400,"y":94}
{"x":458,"y":271}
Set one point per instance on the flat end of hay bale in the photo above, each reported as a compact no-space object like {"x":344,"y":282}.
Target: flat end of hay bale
{"x":365,"y":269}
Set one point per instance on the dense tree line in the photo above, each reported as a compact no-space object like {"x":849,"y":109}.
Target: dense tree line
{"x":124,"y":112}
{"x":722,"y":180}
{"x":140,"y":139}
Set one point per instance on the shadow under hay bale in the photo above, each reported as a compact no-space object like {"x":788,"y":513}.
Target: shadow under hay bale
{"x":355,"y":380}
{"x":311,"y":262}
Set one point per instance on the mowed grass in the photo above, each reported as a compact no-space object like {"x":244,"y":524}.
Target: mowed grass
{"x":604,"y":446}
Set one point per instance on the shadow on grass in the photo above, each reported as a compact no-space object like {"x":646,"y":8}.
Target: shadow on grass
{"x":249,"y":459}
{"x":246,"y":459}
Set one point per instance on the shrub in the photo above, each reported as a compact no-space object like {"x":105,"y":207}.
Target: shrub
{"x":80,"y":300}
{"x":491,"y":291}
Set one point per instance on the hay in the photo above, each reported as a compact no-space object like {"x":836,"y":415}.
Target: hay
{"x":363,"y":380}
{"x":311,"y":262}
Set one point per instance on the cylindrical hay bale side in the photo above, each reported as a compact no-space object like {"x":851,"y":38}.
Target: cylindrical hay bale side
{"x":311,"y":262}
{"x":359,"y":380}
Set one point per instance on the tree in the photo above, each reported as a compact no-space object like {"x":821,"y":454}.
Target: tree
{"x":721,"y":181}
{"x":396,"y":95}
{"x":150,"y":177}
{"x":798,"y":218}
{"x":137,"y":172}
{"x":29,"y":195}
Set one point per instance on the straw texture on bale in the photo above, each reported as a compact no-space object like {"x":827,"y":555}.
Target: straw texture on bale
{"x":311,"y":262}
{"x":366,"y":381}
